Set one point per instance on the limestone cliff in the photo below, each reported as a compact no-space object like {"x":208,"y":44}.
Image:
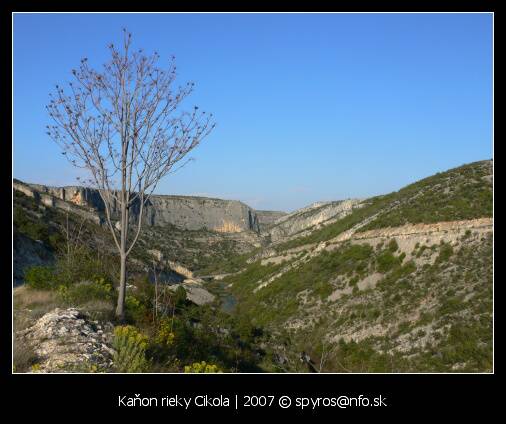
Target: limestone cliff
{"x":267,"y":218}
{"x":185,"y":212}
{"x":310,"y":218}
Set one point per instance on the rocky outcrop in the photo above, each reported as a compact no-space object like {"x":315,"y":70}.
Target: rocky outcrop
{"x":185,"y":212}
{"x":66,"y":340}
{"x":195,"y":291}
{"x":58,"y":198}
{"x":421,"y":228}
{"x":267,"y":218}
{"x":311,"y":217}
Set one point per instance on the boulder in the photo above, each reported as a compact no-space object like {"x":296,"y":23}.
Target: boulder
{"x":195,"y":291}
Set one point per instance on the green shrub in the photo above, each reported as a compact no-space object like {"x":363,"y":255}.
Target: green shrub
{"x":393,"y":246}
{"x":136,"y":310}
{"x":323,"y":289}
{"x":40,"y":277}
{"x":165,"y":335}
{"x":451,"y":305}
{"x":460,"y":193}
{"x":445,"y":252}
{"x":130,"y":350}
{"x":83,"y":265}
{"x":403,"y":327}
{"x":202,"y":367}
{"x":386,"y":261}
{"x":80,"y":293}
{"x":353,"y":282}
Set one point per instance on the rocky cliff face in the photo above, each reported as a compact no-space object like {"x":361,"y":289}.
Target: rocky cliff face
{"x":311,"y":217}
{"x":267,"y":218}
{"x":194,"y":213}
{"x":185,"y":212}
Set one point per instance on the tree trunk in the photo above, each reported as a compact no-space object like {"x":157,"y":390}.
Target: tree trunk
{"x":120,"y":308}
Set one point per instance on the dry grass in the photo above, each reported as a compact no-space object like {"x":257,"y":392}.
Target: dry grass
{"x":100,"y":310}
{"x":24,"y":356}
{"x":24,"y":297}
{"x":30,"y":305}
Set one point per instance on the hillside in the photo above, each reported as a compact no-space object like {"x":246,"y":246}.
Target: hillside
{"x":40,"y":219}
{"x":394,"y":283}
{"x":402,"y":283}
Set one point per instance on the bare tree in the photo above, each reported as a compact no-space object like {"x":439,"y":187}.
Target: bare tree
{"x":123,"y":125}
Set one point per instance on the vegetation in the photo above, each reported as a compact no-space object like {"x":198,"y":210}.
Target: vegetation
{"x":40,"y":277}
{"x":461,"y":193}
{"x":201,"y":367}
{"x":436,"y":339}
{"x":31,"y":220}
{"x":86,"y":291}
{"x":387,"y":305}
{"x":130,"y":350}
{"x":161,"y":335}
{"x":24,"y":357}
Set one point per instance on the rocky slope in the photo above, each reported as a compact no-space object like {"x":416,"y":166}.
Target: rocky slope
{"x":405,"y":277}
{"x":310,"y":219}
{"x":28,"y":253}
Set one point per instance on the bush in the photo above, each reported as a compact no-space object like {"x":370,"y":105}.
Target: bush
{"x":164,"y":335}
{"x":445,"y":252}
{"x":84,"y":265}
{"x":40,"y":277}
{"x":78,"y":294}
{"x":136,"y":310}
{"x":202,"y":367}
{"x":130,"y":346}
{"x":466,"y":235}
{"x":386,"y":261}
{"x":393,"y":246}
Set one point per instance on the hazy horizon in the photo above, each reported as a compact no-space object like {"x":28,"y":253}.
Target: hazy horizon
{"x":309,"y":107}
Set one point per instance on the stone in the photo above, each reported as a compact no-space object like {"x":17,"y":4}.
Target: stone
{"x":195,"y":291}
{"x":65,"y":341}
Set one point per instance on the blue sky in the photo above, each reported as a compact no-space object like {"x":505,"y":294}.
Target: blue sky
{"x":309,"y":107}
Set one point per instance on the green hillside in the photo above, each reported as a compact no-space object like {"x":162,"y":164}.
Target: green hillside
{"x":421,"y":303}
{"x":460,"y":193}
